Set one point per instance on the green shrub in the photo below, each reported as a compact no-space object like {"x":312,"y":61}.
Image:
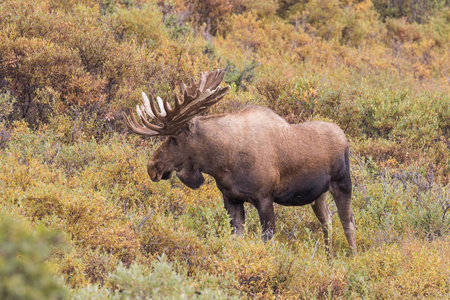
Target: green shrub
{"x":414,"y":11}
{"x":160,"y":281}
{"x":24,"y":271}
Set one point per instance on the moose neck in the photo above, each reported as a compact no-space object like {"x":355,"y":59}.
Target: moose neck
{"x":207,"y":145}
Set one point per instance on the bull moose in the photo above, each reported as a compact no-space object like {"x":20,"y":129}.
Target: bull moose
{"x":254,"y":155}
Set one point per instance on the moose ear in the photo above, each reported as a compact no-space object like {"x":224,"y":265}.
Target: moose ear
{"x":191,"y":177}
{"x":192,"y":125}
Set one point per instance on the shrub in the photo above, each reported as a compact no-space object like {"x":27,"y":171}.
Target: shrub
{"x":78,"y":67}
{"x":140,"y":282}
{"x":414,"y":11}
{"x":293,"y":98}
{"x":24,"y":272}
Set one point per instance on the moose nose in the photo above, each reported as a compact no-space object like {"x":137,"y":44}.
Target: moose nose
{"x":152,"y":172}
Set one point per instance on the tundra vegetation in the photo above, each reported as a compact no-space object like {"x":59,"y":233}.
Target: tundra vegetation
{"x":81,"y":219}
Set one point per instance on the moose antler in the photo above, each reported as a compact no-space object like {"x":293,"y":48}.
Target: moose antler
{"x":193,"y":100}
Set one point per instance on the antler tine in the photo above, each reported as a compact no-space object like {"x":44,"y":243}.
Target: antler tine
{"x":149,"y":108}
{"x":202,"y":82}
{"x":208,"y":93}
{"x":166,"y":106}
{"x":162,"y":106}
{"x":214,"y":78}
{"x":190,"y":92}
{"x":146,"y":105}
{"x":177,"y":101}
{"x":200,"y":104}
{"x":194,"y":89}
{"x":148,"y":124}
{"x":156,"y":113}
{"x":137,"y":128}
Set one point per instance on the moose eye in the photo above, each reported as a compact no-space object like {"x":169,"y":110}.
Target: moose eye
{"x":174,"y":141}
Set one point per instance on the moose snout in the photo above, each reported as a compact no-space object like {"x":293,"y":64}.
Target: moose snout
{"x":151,"y":170}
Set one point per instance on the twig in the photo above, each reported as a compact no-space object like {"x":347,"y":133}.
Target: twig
{"x":144,"y":220}
{"x":315,"y":248}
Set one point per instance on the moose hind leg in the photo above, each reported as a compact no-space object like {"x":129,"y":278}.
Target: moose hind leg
{"x":342,"y":194}
{"x":322,"y":213}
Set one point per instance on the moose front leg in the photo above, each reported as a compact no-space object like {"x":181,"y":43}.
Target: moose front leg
{"x":267,"y":218}
{"x":236,"y":211}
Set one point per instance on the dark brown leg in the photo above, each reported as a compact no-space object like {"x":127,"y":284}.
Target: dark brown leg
{"x":267,"y":218}
{"x":342,"y":194}
{"x":322,"y":213}
{"x":236,"y":211}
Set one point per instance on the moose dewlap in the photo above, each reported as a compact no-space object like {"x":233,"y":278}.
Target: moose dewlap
{"x":254,"y":155}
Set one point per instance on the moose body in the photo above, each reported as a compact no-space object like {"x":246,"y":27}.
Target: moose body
{"x":255,"y":156}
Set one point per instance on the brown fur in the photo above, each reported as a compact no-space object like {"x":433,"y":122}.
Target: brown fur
{"x":255,"y":156}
